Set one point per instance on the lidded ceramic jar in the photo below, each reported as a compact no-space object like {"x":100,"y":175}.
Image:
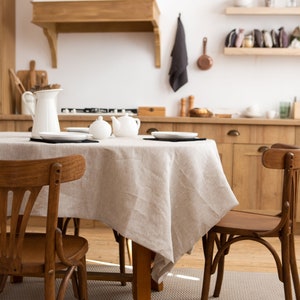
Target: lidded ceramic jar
{"x":100,"y":129}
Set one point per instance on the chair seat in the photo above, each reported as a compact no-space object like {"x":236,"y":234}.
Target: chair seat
{"x":243,"y":223}
{"x":33,"y":259}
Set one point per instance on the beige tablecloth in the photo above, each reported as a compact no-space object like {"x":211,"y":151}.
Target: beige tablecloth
{"x":162,"y":195}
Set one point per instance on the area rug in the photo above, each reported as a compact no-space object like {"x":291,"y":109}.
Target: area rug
{"x":180,"y":284}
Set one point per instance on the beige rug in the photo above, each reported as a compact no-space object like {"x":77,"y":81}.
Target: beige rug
{"x":181,"y":284}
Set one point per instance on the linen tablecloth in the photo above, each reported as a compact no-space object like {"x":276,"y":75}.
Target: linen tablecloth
{"x":163,"y":195}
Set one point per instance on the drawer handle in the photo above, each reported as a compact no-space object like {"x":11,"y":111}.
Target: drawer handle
{"x":262,"y":149}
{"x":233,"y":132}
{"x":150,"y":130}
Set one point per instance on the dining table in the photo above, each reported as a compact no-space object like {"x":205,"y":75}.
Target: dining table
{"x":163,"y":195}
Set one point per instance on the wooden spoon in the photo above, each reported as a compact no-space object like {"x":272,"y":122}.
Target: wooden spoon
{"x":204,"y":62}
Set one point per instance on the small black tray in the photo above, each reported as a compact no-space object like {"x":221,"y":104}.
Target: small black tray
{"x":61,"y":141}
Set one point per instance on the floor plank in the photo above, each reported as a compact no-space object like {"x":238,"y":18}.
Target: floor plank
{"x":244,"y":256}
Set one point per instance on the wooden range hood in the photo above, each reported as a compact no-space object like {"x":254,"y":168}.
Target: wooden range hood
{"x":96,"y":16}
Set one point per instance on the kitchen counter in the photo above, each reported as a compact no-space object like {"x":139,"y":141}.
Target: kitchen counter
{"x":213,"y":120}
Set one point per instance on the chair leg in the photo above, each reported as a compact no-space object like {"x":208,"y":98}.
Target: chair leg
{"x":49,"y":286}
{"x":121,"y":241}
{"x":285,"y":254}
{"x":208,"y":248}
{"x":3,"y":279}
{"x":129,"y":250}
{"x":220,"y":272}
{"x":294,"y":269}
{"x":82,"y":280}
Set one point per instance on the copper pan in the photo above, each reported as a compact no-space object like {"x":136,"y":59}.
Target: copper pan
{"x":204,"y":62}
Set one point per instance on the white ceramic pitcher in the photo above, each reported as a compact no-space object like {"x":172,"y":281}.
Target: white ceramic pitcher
{"x":42,"y":106}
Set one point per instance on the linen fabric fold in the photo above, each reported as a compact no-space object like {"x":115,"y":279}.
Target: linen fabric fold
{"x":164,"y":196}
{"x":178,"y":73}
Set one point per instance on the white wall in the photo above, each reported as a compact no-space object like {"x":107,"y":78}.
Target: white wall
{"x":117,"y":70}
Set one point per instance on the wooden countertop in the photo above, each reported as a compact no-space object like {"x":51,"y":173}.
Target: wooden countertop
{"x":93,"y":117}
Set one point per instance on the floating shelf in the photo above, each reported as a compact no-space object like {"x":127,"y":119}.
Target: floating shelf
{"x":262,"y":51}
{"x":262,"y":11}
{"x":96,"y":16}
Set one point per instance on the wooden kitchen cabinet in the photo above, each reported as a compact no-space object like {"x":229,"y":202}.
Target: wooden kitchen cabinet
{"x":240,"y":147}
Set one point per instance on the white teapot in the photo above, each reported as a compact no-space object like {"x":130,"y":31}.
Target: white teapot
{"x":125,"y":126}
{"x":100,"y":129}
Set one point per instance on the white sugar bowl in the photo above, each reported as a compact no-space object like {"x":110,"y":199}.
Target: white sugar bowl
{"x":100,"y":129}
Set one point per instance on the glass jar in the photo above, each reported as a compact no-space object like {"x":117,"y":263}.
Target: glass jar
{"x":248,"y":41}
{"x":291,"y":3}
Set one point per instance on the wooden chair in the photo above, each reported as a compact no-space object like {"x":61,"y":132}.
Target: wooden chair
{"x":43,"y":254}
{"x":238,"y":226}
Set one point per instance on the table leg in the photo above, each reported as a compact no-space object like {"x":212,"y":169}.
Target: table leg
{"x":141,"y":285}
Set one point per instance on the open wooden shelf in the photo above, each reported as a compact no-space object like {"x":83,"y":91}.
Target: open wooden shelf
{"x":97,"y":16}
{"x":262,"y":51}
{"x":262,"y":11}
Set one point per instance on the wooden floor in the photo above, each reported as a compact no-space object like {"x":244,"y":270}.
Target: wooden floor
{"x":244,"y":256}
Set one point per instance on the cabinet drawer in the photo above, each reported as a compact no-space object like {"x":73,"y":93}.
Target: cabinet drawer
{"x":227,"y":133}
{"x":148,"y":127}
{"x":273,"y":134}
{"x":219,"y":133}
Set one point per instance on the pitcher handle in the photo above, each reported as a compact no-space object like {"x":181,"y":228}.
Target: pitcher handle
{"x":29,"y":100}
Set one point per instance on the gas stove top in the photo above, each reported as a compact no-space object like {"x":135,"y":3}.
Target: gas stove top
{"x":99,"y":111}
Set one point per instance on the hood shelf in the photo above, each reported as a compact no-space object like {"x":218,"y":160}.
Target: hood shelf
{"x":96,"y":16}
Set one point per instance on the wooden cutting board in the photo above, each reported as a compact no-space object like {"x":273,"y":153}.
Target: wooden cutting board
{"x":33,"y":77}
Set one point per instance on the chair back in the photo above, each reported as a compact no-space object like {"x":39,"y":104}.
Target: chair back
{"x":20,"y":184}
{"x":289,"y":161}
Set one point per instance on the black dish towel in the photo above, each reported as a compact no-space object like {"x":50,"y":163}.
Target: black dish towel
{"x":178,"y":72}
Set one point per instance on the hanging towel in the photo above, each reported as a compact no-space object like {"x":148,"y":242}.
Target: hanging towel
{"x":178,"y":72}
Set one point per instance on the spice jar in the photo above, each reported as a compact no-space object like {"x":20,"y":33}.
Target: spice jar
{"x":248,"y":41}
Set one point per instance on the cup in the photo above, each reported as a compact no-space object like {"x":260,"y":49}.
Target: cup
{"x":271,"y":114}
{"x":284,"y":109}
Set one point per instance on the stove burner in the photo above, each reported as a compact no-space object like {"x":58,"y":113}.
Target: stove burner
{"x":95,"y":110}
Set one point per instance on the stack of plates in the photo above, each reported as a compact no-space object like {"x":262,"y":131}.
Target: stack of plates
{"x":64,"y":136}
{"x":174,"y":135}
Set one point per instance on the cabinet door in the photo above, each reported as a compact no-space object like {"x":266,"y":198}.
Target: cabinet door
{"x":7,"y":125}
{"x":225,"y":152}
{"x":23,"y":125}
{"x":256,"y":187}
